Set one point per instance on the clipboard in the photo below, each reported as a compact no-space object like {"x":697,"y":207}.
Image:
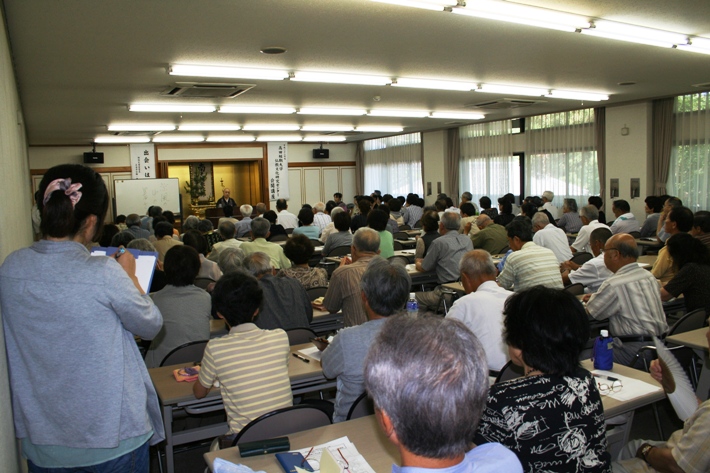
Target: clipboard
{"x":145,"y":263}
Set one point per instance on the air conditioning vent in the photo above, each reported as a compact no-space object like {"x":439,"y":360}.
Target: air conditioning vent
{"x":207,"y":91}
{"x":503,"y":104}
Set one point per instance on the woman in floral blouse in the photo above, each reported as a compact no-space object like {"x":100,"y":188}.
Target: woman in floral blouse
{"x":299,"y":250}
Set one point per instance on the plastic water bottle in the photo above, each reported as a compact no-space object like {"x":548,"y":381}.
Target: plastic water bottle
{"x":412,"y":306}
{"x":604,"y":351}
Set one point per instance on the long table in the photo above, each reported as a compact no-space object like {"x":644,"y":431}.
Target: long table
{"x":176,"y":397}
{"x":380,"y":453}
{"x":697,"y":340}
{"x":323,"y":322}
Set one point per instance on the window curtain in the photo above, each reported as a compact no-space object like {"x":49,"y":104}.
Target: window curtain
{"x":487,"y":165}
{"x":451,"y":163}
{"x":689,"y":178}
{"x":359,"y":168}
{"x":393,"y":165}
{"x":662,"y":142}
{"x":561,"y":156}
{"x":600,"y":144}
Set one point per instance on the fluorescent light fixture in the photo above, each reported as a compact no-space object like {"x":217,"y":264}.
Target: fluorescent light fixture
{"x":435,"y":5}
{"x":271,"y":127}
{"x":523,"y":15}
{"x":337,"y":78}
{"x":327,"y":128}
{"x":227,"y":72}
{"x":178,"y":138}
{"x":331,"y":111}
{"x":280,"y":138}
{"x":399,"y":113}
{"x":209,"y":127}
{"x":565,"y":94}
{"x":330,"y":138}
{"x":147,"y":107}
{"x":513,"y":90}
{"x":379,"y":129}
{"x":696,"y":45}
{"x":228,"y":139}
{"x":434,"y":84}
{"x":458,"y":115}
{"x":122,"y":139}
{"x":268,"y":110}
{"x":635,"y":34}
{"x":141,"y":127}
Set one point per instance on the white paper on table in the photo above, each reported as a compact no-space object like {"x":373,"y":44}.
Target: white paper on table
{"x":312,"y":352}
{"x":339,"y":448}
{"x":632,"y":388}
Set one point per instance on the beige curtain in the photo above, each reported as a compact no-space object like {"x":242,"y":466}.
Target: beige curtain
{"x":359,"y":168}
{"x":393,"y":165}
{"x":451,"y":163}
{"x":662,"y":142}
{"x":600,"y":144}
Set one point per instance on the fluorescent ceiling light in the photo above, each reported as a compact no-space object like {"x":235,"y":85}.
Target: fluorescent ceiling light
{"x":435,"y":5}
{"x":327,"y":128}
{"x":399,"y":113}
{"x":331,"y":111}
{"x":146,"y":107}
{"x":270,"y":110}
{"x":696,"y":45}
{"x":379,"y":129}
{"x":227,"y":139}
{"x":209,"y":127}
{"x":458,"y":115}
{"x":635,"y":34}
{"x":227,"y":72}
{"x":336,"y":78}
{"x":523,"y":15}
{"x":178,"y":139}
{"x":565,"y":94}
{"x":434,"y":84}
{"x":513,"y":90}
{"x":122,"y":139}
{"x":141,"y":127}
{"x":330,"y":138}
{"x":280,"y":138}
{"x":271,"y":127}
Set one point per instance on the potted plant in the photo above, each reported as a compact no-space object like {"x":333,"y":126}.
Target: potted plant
{"x":196,"y":186}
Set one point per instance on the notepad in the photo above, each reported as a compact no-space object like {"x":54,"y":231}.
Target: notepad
{"x":145,"y":263}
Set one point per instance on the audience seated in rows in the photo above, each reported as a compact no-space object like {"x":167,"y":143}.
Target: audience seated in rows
{"x":259,"y":233}
{"x":430,"y":229}
{"x":491,"y":237}
{"x":164,"y":239}
{"x":341,"y":234}
{"x":275,"y":229}
{"x":570,"y":221}
{"x":547,"y":198}
{"x":468,"y":215}
{"x":597,"y":202}
{"x":385,"y":290}
{"x":133,"y":222}
{"x":244,"y":225}
{"x":550,"y":237}
{"x":669,"y":204}
{"x":679,"y":220}
{"x":594,"y":272}
{"x":377,"y":220}
{"x":590,"y":218}
{"x":227,"y":231}
{"x":230,"y":260}
{"x":208,"y":269}
{"x":395,"y":211}
{"x":364,"y":204}
{"x":625,"y":221}
{"x":320,"y":218}
{"x":305,"y":219}
{"x":285,"y":218}
{"x":299,"y":249}
{"x":701,"y":227}
{"x":653,"y":206}
{"x":505,"y":212}
{"x":412,"y":210}
{"x":691,"y":262}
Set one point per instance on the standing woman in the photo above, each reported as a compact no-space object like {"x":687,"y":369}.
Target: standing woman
{"x":81,"y":395}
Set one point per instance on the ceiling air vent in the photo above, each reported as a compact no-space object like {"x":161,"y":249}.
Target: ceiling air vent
{"x":207,"y":91}
{"x":500,"y":104}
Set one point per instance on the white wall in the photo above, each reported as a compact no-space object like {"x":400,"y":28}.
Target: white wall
{"x":16,"y":232}
{"x":434,"y":149}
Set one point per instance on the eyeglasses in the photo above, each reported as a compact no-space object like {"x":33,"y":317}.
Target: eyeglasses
{"x":605,"y":388}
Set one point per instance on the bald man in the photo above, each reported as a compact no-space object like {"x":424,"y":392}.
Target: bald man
{"x":491,"y":237}
{"x":630,"y":299}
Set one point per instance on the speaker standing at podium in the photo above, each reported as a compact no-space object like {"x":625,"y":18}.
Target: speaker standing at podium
{"x":225,"y":200}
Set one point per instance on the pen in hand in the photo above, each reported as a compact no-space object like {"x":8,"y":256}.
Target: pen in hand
{"x":119,"y":252}
{"x":302,"y":358}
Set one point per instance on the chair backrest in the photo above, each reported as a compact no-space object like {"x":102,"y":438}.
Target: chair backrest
{"x":300,"y":335}
{"x":339,"y":251}
{"x":401,"y":236}
{"x":397,"y":246}
{"x":635,"y":234}
{"x":575,"y":289}
{"x":363,"y":406}
{"x":279,"y":237}
{"x":418,"y":224}
{"x":289,"y":231}
{"x":509,"y":371}
{"x":404,"y":227}
{"x":691,"y":321}
{"x":285,"y":421}
{"x":316,"y":242}
{"x":581,"y":257}
{"x":202,"y":283}
{"x":503,"y":250}
{"x":398,"y":259}
{"x":316,"y":292}
{"x":188,"y":353}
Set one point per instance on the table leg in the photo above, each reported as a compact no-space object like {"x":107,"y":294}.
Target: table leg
{"x":168,"y":421}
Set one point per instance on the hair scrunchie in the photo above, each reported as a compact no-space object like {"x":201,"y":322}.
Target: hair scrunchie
{"x":72,"y":190}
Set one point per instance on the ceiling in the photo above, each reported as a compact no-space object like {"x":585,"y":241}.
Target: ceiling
{"x":79,"y":63}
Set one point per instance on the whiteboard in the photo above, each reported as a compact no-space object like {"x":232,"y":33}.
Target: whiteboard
{"x":134,"y":196}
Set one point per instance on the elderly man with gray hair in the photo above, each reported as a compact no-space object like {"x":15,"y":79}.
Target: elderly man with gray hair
{"x":443,"y":256}
{"x":589,"y":215}
{"x":244,"y":225}
{"x":344,"y":288}
{"x":226,"y":231}
{"x":547,"y":198}
{"x":260,"y":228}
{"x":428,"y":380}
{"x":320,"y":218}
{"x":385,"y":289}
{"x":230,"y":260}
{"x":286,"y":304}
{"x":550,"y":237}
{"x":481,"y":309}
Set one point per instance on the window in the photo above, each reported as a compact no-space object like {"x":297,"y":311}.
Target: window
{"x":561,"y":157}
{"x":690,"y":155}
{"x":393,"y":165}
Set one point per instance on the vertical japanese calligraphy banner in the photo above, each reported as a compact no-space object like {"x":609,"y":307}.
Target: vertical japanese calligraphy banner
{"x":278,"y":170}
{"x":143,"y":161}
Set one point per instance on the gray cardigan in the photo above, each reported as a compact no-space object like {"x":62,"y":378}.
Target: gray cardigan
{"x":76,"y":375}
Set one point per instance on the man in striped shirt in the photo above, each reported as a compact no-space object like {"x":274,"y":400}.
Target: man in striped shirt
{"x":251,"y":364}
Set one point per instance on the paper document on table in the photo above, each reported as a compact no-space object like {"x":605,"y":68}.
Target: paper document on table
{"x":631,"y":387}
{"x":344,"y":452}
{"x":312,"y":352}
